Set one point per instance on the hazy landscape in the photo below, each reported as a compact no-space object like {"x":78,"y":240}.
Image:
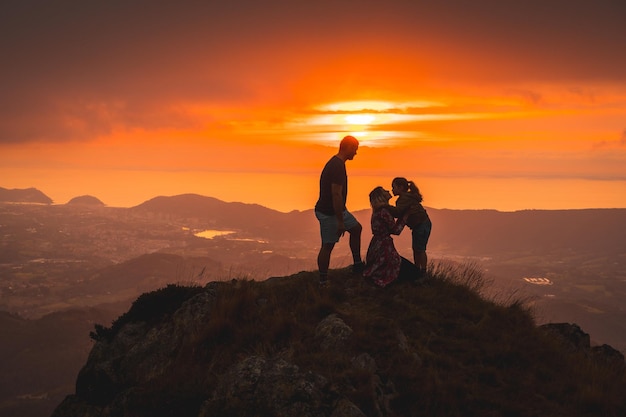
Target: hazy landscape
{"x":64,"y":267}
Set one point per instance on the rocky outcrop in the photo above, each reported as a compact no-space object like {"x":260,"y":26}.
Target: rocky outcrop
{"x":283,"y":348}
{"x":576,"y":340}
{"x":272,"y":387}
{"x":140,"y":354}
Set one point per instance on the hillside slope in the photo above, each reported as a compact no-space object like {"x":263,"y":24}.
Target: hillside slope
{"x":39,"y":358}
{"x":283,"y":347}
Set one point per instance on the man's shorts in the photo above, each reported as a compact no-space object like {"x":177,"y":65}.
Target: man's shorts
{"x":328,"y":225}
{"x":420,"y":235}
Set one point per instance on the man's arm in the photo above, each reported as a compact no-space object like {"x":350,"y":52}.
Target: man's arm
{"x":338,"y":207}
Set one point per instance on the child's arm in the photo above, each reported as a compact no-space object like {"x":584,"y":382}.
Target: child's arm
{"x":398,"y":226}
{"x":403,"y":205}
{"x":393,"y":226}
{"x":395,"y":212}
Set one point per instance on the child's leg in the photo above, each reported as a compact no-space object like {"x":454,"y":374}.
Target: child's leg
{"x":420,"y":240}
{"x":421,"y":260}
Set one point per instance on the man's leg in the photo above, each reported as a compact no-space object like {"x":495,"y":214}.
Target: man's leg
{"x":355,"y":248}
{"x":355,"y":242}
{"x":323,"y":260}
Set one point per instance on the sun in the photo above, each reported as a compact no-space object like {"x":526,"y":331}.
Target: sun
{"x":374,"y":123}
{"x":360,"y":119}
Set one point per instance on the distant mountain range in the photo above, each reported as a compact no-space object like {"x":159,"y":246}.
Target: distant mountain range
{"x":33,"y":195}
{"x":531,"y":231}
{"x":462,"y":232}
{"x":27,"y":195}
{"x":255,"y":219}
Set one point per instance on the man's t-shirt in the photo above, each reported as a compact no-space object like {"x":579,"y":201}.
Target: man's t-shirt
{"x":334,"y":172}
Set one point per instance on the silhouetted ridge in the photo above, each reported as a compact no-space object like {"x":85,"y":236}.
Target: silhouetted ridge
{"x":85,"y":200}
{"x":27,"y":195}
{"x":237,"y":216}
{"x":532,"y":230}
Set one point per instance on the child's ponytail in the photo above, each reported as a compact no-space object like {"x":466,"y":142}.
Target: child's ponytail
{"x":412,"y":188}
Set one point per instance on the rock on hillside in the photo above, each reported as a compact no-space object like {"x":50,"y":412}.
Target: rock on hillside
{"x":283,"y":347}
{"x":85,"y":200}
{"x":27,"y":195}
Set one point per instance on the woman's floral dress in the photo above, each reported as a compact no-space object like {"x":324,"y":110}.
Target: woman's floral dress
{"x":383,"y":260}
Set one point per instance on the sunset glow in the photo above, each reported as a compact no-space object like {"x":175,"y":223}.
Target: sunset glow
{"x":481,"y":112}
{"x":360,"y":119}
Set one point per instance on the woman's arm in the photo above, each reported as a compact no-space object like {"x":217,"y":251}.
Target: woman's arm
{"x":394,"y":226}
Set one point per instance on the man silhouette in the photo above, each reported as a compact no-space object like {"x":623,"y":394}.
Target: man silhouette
{"x":331,"y":211}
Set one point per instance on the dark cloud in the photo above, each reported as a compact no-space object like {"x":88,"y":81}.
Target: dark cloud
{"x":73,"y":68}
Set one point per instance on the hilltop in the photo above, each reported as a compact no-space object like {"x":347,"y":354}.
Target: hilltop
{"x":283,"y":347}
{"x":86,"y":200}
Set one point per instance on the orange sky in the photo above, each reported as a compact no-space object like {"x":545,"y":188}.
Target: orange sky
{"x":484,"y":104}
